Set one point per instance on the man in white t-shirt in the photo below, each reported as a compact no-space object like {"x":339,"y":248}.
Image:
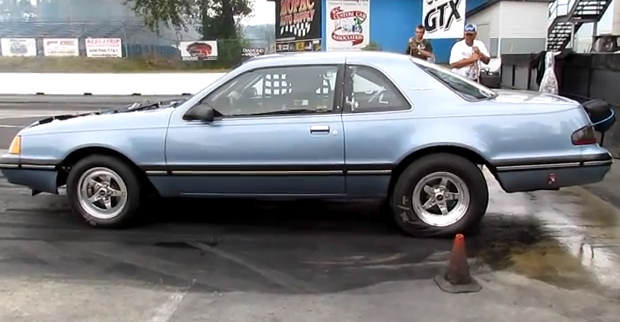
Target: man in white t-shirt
{"x":468,"y":54}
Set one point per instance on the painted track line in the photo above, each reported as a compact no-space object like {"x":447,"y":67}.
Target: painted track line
{"x":165,"y":311}
{"x":276,"y":277}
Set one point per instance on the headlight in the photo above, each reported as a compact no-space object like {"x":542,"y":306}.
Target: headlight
{"x":16,"y":145}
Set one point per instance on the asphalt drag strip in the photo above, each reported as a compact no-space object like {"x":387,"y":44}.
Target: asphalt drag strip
{"x":190,"y":254}
{"x":540,"y":256}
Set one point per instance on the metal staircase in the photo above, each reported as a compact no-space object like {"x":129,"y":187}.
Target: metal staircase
{"x":567,"y":16}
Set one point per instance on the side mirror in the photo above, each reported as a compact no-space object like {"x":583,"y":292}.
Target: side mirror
{"x":200,"y":113}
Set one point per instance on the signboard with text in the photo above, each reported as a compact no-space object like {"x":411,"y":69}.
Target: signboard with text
{"x":104,"y":47}
{"x":348,"y":24}
{"x":61,"y":47}
{"x":18,"y":47}
{"x":443,"y":18}
{"x":252,"y":52}
{"x":297,"y":21}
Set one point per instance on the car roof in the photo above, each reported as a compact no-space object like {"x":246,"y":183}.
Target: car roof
{"x":325,"y":56}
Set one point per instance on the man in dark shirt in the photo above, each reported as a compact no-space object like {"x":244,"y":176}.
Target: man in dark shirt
{"x":418,"y":46}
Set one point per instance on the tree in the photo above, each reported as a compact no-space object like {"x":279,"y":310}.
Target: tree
{"x":213,"y":18}
{"x":17,"y":10}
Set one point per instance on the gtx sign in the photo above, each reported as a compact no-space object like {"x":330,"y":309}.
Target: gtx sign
{"x":443,"y":18}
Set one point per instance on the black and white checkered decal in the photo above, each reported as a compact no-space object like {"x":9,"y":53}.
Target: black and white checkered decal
{"x":300,"y":29}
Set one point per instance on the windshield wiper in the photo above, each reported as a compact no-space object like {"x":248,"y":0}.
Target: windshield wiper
{"x":285,"y":112}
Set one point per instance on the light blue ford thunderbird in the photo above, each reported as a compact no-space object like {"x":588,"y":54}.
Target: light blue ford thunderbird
{"x":354,"y":125}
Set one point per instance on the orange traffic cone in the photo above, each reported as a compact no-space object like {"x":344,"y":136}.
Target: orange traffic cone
{"x":457,"y":278}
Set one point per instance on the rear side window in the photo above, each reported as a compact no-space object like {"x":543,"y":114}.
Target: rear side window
{"x":468,"y":89}
{"x":368,"y":90}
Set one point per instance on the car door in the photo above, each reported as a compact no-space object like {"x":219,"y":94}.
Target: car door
{"x":372,"y":117}
{"x":278,"y":131}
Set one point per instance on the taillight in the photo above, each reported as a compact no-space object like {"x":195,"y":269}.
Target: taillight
{"x":584,"y":136}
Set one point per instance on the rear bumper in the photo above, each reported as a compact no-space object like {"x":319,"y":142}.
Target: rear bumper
{"x":552,"y":173}
{"x":38,"y":175}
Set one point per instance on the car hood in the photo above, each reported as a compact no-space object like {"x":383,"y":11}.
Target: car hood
{"x":134,"y":115}
{"x":530,"y":97}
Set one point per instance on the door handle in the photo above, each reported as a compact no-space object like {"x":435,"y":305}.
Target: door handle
{"x":315,"y":129}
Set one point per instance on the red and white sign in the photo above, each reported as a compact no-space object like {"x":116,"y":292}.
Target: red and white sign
{"x":348,"y":25}
{"x":61,"y":47}
{"x":104,"y":47}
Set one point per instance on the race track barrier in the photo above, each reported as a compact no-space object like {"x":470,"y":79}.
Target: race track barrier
{"x":105,"y":84}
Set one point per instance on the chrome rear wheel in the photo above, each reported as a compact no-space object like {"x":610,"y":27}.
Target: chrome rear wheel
{"x":439,"y":194}
{"x":441,"y":199}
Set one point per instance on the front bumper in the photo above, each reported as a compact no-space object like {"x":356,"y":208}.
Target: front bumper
{"x":38,"y":175}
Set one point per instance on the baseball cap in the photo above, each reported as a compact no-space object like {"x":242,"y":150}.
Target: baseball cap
{"x":470,"y":28}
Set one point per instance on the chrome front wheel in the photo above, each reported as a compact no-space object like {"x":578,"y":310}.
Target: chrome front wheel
{"x":440,"y":199}
{"x":103,"y":193}
{"x":104,"y":190}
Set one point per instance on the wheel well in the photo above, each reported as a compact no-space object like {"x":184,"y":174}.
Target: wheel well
{"x":463,"y":152}
{"x":77,"y":155}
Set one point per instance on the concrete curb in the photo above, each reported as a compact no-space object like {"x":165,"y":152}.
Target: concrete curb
{"x":95,"y":84}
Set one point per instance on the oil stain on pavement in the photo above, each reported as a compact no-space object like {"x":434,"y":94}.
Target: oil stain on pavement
{"x":568,"y":238}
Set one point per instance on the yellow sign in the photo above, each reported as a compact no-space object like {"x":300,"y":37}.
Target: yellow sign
{"x":300,"y":46}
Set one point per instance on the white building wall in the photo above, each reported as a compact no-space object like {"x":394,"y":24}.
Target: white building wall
{"x":488,"y":22}
{"x":523,"y":19}
{"x":489,"y":16}
{"x":513,"y":27}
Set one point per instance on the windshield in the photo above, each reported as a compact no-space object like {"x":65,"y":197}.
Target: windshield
{"x":466,"y":88}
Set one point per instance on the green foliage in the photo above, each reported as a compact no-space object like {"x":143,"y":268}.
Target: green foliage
{"x":214,"y":17}
{"x":372,"y":46}
{"x":215,"y":20}
{"x":171,"y":13}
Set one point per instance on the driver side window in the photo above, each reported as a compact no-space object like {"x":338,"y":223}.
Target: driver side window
{"x":278,"y":90}
{"x":368,"y":90}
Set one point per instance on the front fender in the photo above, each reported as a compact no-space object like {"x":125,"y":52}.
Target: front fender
{"x":141,"y":146}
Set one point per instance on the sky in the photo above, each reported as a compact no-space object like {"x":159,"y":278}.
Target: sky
{"x":264,"y":13}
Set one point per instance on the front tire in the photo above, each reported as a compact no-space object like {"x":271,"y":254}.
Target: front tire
{"x":104,"y":191}
{"x":439,"y":195}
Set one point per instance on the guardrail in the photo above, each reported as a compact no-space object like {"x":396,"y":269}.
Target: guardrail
{"x":105,"y":84}
{"x":559,"y":8}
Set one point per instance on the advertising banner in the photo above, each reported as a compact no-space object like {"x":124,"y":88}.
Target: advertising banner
{"x":348,"y":24}
{"x":61,"y":47}
{"x":443,"y":18}
{"x":18,"y":47}
{"x":252,"y":51}
{"x":198,"y":50}
{"x":104,"y":47}
{"x":298,"y":22}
